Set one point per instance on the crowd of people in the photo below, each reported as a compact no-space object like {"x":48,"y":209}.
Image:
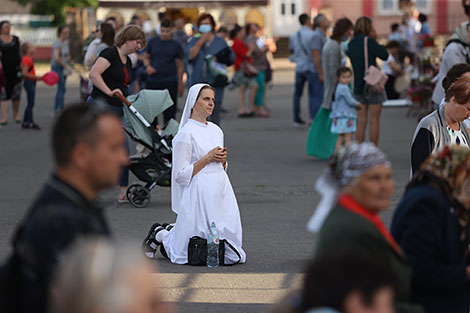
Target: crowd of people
{"x":172,"y":60}
{"x":62,"y":258}
{"x":320,"y":62}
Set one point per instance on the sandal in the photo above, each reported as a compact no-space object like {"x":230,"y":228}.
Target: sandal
{"x":167,"y":226}
{"x":150,"y":244}
{"x":123,"y":199}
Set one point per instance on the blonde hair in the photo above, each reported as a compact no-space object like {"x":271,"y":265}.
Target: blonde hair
{"x":24,"y":48}
{"x":130,"y":32}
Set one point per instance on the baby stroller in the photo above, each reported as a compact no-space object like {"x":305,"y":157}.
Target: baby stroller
{"x":154,"y":169}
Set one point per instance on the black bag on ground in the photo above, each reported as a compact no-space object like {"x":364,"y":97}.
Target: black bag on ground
{"x":197,"y":251}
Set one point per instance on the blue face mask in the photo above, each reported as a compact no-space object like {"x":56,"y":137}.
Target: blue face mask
{"x":205,"y":28}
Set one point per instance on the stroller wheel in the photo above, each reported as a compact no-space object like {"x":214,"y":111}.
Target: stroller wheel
{"x":138,"y":195}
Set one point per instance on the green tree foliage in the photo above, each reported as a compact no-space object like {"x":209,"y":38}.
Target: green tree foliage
{"x":56,"y":7}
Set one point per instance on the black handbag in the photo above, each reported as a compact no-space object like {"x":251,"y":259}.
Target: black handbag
{"x":197,"y":251}
{"x":224,"y":56}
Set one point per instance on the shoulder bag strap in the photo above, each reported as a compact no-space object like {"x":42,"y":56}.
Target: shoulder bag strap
{"x":366,"y":57}
{"x":234,"y":250}
{"x":299,"y":38}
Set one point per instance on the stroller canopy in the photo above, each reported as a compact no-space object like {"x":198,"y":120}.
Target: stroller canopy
{"x":150,"y":104}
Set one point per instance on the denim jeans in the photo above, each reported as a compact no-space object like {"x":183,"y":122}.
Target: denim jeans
{"x":315,"y":93}
{"x":30,"y":87}
{"x":60,"y":95}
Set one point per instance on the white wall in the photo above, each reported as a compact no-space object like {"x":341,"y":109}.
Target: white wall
{"x":286,"y":24}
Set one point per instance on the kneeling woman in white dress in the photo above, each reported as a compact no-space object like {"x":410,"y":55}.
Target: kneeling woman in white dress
{"x":201,"y":192}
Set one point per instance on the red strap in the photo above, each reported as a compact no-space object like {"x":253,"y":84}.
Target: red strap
{"x":126,"y":76}
{"x":348,"y":202}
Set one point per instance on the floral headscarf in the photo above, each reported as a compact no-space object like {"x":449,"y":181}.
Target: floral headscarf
{"x":345,"y":166}
{"x":448,"y":171}
{"x":352,"y":162}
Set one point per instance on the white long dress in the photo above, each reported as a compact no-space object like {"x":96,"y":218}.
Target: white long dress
{"x":203,"y":198}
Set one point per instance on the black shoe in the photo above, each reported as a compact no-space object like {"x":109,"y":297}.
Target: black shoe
{"x":35,"y":127}
{"x":150,"y":244}
{"x":298,"y":123}
{"x":167,"y":226}
{"x":163,"y":252}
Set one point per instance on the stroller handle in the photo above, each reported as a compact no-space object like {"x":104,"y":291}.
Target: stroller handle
{"x":123,"y":99}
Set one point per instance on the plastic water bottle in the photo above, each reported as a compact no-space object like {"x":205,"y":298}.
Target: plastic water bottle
{"x":213,"y":246}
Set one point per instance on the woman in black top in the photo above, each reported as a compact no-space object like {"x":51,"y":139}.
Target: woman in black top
{"x":372,"y":101}
{"x":11,"y":59}
{"x":112,"y":71}
{"x":111,"y":75}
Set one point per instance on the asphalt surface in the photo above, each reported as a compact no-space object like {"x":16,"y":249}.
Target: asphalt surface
{"x":272,"y":177}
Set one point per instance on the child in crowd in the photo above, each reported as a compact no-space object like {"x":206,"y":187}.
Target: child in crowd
{"x":392,"y":68}
{"x":30,"y":78}
{"x":343,"y":114}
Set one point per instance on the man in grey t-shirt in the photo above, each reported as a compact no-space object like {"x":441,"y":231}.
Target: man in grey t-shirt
{"x":306,"y":46}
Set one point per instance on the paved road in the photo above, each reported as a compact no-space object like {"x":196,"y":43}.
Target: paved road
{"x":273,"y":180}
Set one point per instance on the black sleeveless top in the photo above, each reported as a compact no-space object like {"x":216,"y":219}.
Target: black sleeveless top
{"x":11,"y":58}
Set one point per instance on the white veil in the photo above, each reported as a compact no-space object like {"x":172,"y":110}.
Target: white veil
{"x":190,"y":101}
{"x":176,"y":192}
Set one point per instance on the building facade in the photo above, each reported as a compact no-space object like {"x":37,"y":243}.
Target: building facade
{"x":443,"y":15}
{"x":226,"y":12}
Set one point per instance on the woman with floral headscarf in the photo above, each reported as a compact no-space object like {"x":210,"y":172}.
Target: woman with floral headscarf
{"x":363,"y":186}
{"x":201,"y":192}
{"x":432,"y":225}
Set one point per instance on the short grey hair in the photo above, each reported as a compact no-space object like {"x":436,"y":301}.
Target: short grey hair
{"x":89,"y":275}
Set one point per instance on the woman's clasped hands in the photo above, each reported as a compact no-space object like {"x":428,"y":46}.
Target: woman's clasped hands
{"x":217,"y":154}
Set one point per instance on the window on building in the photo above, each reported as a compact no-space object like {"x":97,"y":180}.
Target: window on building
{"x":388,"y":7}
{"x":283,"y":9}
{"x":388,"y":4}
{"x":392,"y":7}
{"x":292,"y":8}
{"x":423,"y":6}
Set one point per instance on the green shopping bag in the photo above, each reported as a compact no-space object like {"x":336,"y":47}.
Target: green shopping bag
{"x":320,"y":141}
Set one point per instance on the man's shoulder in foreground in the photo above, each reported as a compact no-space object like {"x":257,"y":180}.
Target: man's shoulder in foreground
{"x":58,"y":202}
